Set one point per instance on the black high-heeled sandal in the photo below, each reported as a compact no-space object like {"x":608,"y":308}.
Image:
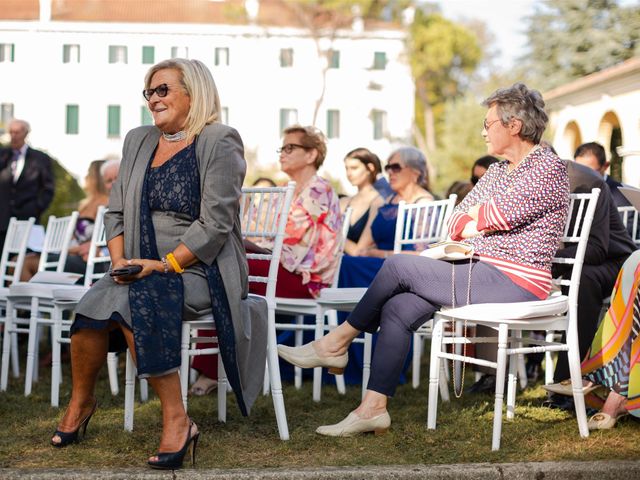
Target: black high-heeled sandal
{"x":173,"y":460}
{"x":67,"y":438}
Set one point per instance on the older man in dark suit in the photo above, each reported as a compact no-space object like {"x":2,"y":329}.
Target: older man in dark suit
{"x":26,"y":179}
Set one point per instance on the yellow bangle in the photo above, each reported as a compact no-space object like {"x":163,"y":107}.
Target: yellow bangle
{"x":174,"y":263}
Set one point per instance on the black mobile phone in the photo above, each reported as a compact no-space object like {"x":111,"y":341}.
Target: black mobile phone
{"x":128,"y":270}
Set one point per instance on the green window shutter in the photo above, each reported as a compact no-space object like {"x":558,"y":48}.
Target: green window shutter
{"x":148,"y":55}
{"x":333,"y":123}
{"x":113,"y":128}
{"x":378,"y":118}
{"x":145,"y":116}
{"x":72,"y":120}
{"x":334,"y":59}
{"x":379,"y":60}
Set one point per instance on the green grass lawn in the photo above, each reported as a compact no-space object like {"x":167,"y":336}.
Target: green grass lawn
{"x":463,"y":434}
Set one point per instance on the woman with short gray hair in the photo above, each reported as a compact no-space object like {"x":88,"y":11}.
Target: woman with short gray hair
{"x":409,"y":179}
{"x":513,"y":219}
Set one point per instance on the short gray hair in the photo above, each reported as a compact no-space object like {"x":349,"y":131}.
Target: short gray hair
{"x":521,"y":103}
{"x":107,"y":164}
{"x":415,"y":159}
{"x":25,"y":125}
{"x":198,"y":82}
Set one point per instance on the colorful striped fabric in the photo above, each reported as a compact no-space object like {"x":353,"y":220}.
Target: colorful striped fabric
{"x":614,"y":357}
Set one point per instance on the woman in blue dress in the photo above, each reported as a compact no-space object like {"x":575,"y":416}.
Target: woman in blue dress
{"x":173,"y":214}
{"x":408,"y":177}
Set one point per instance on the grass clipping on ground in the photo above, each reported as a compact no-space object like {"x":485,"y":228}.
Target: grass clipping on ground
{"x":463,"y":433}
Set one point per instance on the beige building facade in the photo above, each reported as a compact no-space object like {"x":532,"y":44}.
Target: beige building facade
{"x":603,"y":107}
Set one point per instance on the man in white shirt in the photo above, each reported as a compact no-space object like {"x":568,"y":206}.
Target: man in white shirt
{"x":26,"y":179}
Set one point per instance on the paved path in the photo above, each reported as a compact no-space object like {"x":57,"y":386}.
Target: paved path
{"x":600,"y":470}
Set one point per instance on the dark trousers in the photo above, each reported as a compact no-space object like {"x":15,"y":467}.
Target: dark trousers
{"x":406,"y":292}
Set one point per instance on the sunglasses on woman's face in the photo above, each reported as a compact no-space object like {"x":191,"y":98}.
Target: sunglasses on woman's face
{"x":161,"y":90}
{"x":393,"y":168}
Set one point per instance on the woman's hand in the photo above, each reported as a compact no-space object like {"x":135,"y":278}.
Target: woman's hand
{"x":474,"y":212}
{"x":148,"y":266}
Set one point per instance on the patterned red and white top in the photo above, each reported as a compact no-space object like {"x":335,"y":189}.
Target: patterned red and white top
{"x":522,"y":216}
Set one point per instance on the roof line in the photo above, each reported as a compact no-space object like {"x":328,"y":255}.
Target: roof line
{"x":593,"y":78}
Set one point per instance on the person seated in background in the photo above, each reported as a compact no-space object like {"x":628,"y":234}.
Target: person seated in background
{"x":480,"y":167}
{"x":460,"y":189}
{"x":409,"y":179}
{"x":513,"y":232}
{"x":308,"y":261}
{"x":608,"y":247}
{"x":362,"y":168}
{"x":408,"y":176}
{"x":613,"y":361}
{"x":97,"y":195}
{"x":592,"y":155}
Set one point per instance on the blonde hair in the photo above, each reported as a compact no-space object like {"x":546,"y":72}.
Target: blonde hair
{"x":197,"y":81}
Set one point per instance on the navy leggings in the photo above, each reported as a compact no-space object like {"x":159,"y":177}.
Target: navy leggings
{"x":406,"y":292}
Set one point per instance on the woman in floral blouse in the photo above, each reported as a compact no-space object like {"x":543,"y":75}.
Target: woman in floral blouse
{"x":308,"y":261}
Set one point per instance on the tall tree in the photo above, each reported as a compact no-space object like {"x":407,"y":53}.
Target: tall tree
{"x":572,"y":38}
{"x":444,"y":55}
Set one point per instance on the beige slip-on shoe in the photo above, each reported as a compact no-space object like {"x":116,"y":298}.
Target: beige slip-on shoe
{"x":307,"y":357}
{"x":564,"y":388}
{"x":603,"y":421}
{"x":354,"y":425}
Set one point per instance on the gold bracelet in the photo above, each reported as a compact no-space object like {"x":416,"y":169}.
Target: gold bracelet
{"x":174,"y":263}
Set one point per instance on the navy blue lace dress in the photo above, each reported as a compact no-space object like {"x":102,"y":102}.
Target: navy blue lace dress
{"x":159,"y":302}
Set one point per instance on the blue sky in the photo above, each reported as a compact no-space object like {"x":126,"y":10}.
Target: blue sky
{"x":504,"y":19}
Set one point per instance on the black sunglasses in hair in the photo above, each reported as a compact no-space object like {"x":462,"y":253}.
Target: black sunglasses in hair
{"x":161,"y":90}
{"x":393,"y":167}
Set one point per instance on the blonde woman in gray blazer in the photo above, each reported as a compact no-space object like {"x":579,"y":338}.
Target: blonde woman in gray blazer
{"x":173,"y":213}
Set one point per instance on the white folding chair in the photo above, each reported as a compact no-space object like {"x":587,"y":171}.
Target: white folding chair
{"x":66,"y":300}
{"x":11,"y":262}
{"x":307,"y":306}
{"x":555,"y":314}
{"x":263,"y":216}
{"x":629,"y":217}
{"x":37,"y":298}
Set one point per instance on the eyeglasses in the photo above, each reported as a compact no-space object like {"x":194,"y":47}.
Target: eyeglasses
{"x":161,"y":90}
{"x":487,"y":125}
{"x":290,"y":147}
{"x":393,"y":168}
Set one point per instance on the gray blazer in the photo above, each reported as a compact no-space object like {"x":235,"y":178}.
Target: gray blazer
{"x":216,"y":235}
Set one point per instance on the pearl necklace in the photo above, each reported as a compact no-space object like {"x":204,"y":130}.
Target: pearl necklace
{"x":174,"y":137}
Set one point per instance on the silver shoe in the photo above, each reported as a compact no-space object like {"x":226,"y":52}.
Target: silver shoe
{"x":354,"y":425}
{"x":307,"y":357}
